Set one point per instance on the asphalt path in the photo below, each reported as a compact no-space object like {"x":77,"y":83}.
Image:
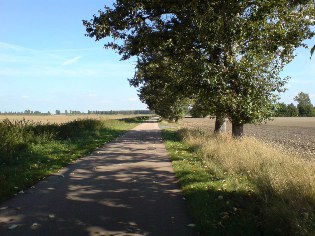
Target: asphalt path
{"x":127,"y":187}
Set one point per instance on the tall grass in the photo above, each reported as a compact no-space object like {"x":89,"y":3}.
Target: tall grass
{"x":271,"y":190}
{"x":17,"y":136}
{"x":31,"y":150}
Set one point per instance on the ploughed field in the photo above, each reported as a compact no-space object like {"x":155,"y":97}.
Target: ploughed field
{"x":295,"y":134}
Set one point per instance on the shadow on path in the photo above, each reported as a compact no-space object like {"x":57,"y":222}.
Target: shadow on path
{"x":125,"y":188}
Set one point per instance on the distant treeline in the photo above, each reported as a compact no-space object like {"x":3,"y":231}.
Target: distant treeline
{"x":123,"y":112}
{"x":290,"y":110}
{"x":26,"y":112}
{"x":70,"y":112}
{"x":304,"y":107}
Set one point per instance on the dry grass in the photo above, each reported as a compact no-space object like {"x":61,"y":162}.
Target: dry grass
{"x":59,"y":119}
{"x":284,"y":183}
{"x":295,"y":134}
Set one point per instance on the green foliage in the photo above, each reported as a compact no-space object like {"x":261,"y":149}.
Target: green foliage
{"x":283,"y":110}
{"x":305,"y":106}
{"x":74,"y":128}
{"x":292,"y":110}
{"x":303,"y":99}
{"x":30,"y":151}
{"x":306,"y":110}
{"x":229,"y":53}
{"x":163,"y":101}
{"x":159,"y":88}
{"x":199,"y":109}
{"x":17,"y":136}
{"x":312,"y":51}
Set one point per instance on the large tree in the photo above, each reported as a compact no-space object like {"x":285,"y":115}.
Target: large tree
{"x":228,"y":53}
{"x":159,"y":89}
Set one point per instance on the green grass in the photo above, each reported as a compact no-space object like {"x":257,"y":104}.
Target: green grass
{"x":236,"y":188}
{"x":31,"y":151}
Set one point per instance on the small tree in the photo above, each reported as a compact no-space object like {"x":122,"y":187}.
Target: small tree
{"x":281,"y":110}
{"x":198,"y":110}
{"x":292,"y":110}
{"x":305,"y":106}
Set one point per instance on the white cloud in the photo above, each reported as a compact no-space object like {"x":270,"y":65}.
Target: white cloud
{"x":71,"y":61}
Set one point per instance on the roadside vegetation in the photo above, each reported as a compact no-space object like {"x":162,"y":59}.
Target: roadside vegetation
{"x":243,"y":187}
{"x":29,"y":150}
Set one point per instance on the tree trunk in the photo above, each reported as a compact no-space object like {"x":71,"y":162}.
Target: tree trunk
{"x":237,"y":130}
{"x":220,"y":125}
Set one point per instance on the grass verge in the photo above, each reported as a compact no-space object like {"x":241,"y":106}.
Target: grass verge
{"x":242,"y":187}
{"x":30,"y":151}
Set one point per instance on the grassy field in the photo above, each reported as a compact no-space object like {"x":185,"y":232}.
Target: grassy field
{"x":29,"y":150}
{"x":296,"y":134}
{"x":245,"y":187}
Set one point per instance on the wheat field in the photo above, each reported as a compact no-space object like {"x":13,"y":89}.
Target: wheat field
{"x":59,"y":119}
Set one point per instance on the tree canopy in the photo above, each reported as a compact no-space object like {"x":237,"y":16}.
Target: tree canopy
{"x":227,"y":54}
{"x":304,"y":106}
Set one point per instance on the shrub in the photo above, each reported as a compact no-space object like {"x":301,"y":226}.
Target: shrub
{"x":75,"y":128}
{"x":16,"y":136}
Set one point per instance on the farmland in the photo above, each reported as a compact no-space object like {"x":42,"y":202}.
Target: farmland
{"x":295,"y":134}
{"x":59,"y":119}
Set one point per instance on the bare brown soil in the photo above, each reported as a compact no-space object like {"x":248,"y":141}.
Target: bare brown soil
{"x":296,"y":134}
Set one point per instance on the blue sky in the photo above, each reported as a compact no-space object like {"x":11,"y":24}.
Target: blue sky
{"x":46,"y":62}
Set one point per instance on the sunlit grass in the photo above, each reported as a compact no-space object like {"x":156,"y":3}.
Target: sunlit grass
{"x":243,"y":187}
{"x":35,"y":150}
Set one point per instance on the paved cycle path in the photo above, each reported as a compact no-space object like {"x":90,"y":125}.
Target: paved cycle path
{"x":127,"y":187}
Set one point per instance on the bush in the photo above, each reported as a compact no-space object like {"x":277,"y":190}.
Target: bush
{"x":74,"y":128}
{"x":16,"y":136}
